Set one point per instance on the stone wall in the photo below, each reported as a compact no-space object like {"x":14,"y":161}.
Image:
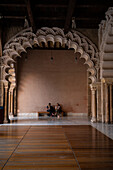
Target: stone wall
{"x":62,"y":80}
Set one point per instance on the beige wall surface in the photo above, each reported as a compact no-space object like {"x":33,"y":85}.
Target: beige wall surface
{"x":62,"y":80}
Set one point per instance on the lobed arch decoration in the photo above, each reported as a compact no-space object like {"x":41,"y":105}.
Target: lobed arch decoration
{"x":27,"y":39}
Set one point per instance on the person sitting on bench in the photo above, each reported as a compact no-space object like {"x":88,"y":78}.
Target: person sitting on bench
{"x":50,"y":109}
{"x":58,"y":110}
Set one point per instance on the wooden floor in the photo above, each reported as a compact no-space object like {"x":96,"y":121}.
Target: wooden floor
{"x":54,"y":148}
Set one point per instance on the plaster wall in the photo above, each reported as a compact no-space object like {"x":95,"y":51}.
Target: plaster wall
{"x":62,"y":80}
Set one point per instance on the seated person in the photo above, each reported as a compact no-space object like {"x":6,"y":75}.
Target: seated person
{"x":58,"y":110}
{"x":50,"y":109}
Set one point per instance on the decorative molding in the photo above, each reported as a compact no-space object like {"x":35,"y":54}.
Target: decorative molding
{"x":107,"y":80}
{"x":105,"y":34}
{"x":73,"y":39}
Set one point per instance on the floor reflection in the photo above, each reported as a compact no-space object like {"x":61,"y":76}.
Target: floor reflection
{"x":106,"y":129}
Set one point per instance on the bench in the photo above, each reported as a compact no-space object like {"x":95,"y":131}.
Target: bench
{"x":44,"y":112}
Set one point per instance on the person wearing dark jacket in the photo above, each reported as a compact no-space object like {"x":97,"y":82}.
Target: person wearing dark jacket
{"x":50,"y":109}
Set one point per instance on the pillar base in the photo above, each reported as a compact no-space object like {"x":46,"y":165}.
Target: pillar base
{"x":99,"y":120}
{"x":103,"y":121}
{"x":5,"y":121}
{"x":93,"y":120}
{"x":107,"y":122}
{"x":11,"y":115}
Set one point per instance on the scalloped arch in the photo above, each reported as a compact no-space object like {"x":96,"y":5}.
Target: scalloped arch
{"x":73,"y":39}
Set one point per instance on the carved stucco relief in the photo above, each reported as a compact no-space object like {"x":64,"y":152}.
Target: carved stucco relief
{"x":73,"y":39}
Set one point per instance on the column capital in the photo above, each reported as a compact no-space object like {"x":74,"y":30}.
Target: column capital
{"x":97,"y":84}
{"x":12,"y":86}
{"x":11,"y":90}
{"x":6,"y":84}
{"x":93,"y":87}
{"x":107,"y":80}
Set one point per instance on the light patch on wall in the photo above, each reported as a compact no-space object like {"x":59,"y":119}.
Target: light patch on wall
{"x":42,"y":81}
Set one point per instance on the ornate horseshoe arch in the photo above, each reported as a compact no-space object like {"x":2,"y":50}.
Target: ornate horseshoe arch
{"x":26,"y":38}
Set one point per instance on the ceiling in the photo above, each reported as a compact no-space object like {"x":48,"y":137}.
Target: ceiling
{"x":55,"y":13}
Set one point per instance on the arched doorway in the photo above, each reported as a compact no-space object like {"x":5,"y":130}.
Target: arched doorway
{"x":47,"y":37}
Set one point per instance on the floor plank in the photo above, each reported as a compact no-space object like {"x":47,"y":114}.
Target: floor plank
{"x":54,"y":148}
{"x":92,"y":149}
{"x":46,"y":148}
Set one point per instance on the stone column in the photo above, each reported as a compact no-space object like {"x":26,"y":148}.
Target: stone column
{"x":9,"y":102}
{"x":89,"y":94}
{"x":1,"y":86}
{"x":93,"y":103}
{"x":111,"y":104}
{"x":15,"y":103}
{"x":103,"y":101}
{"x":12,"y":86}
{"x":106,"y":100}
{"x":99,"y":116}
{"x":5,"y":106}
{"x":106,"y":104}
{"x":1,"y":68}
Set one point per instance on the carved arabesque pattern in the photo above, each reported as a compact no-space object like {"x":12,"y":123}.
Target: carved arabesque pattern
{"x":105,"y":34}
{"x":73,"y":39}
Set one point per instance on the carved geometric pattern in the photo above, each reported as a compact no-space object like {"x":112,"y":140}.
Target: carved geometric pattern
{"x":73,"y":39}
{"x":105,"y":34}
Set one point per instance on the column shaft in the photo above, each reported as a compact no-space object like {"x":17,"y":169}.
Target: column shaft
{"x":99,"y":116}
{"x":111,"y":104}
{"x":11,"y":103}
{"x":1,"y":67}
{"x":106,"y":104}
{"x":1,"y":87}
{"x":5,"y":107}
{"x":103,"y":101}
{"x":93,"y":104}
{"x":15,"y":103}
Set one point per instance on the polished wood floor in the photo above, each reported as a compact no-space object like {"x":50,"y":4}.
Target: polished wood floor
{"x":54,"y":148}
